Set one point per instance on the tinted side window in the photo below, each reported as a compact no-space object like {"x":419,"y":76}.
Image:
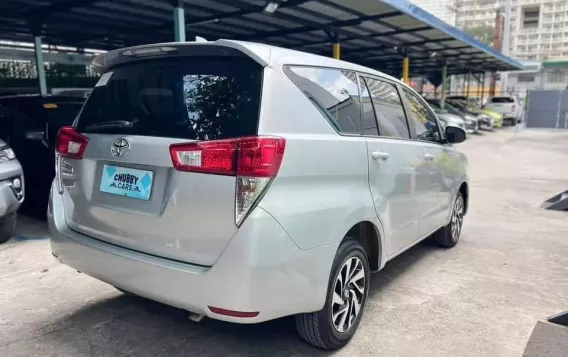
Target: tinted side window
{"x":334,"y":92}
{"x":369,"y":120}
{"x":389,"y":109}
{"x":424,"y":120}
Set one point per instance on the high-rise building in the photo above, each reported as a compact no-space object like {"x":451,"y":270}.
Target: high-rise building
{"x":442,"y":9}
{"x":539,"y":28}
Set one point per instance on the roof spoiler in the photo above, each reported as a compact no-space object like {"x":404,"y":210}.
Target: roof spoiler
{"x":259,"y":53}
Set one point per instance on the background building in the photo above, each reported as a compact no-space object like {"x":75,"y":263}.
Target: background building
{"x":547,"y":75}
{"x":442,"y":9}
{"x":539,"y":28}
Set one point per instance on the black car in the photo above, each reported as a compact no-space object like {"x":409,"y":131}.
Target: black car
{"x":29,"y":124}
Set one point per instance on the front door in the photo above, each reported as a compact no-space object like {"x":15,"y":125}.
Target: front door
{"x":434,"y":181}
{"x":393,"y":162}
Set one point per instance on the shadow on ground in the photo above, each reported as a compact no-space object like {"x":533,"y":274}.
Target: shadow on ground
{"x":126,"y":325}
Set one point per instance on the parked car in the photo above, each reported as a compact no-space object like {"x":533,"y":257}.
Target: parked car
{"x":247,"y":182}
{"x":485,"y":121}
{"x":471,"y":123}
{"x":29,"y":123}
{"x":473,"y":104}
{"x":11,"y":191}
{"x":509,"y":106}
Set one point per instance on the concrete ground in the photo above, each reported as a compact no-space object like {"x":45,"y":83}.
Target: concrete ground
{"x":482,"y":298}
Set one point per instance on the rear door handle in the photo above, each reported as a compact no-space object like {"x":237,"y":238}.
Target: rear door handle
{"x":380,"y":155}
{"x":429,"y":157}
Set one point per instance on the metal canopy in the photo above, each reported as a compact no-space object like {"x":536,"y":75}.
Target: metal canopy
{"x":374,"y":33}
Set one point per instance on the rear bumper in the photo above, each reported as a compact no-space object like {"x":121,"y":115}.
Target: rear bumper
{"x":261,"y":270}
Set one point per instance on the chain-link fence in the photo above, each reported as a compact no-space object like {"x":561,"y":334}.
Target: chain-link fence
{"x":16,"y":74}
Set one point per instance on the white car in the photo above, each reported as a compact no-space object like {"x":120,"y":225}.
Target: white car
{"x":509,"y":106}
{"x":245,"y":182}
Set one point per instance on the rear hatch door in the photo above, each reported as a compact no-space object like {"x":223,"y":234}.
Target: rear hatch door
{"x":125,"y":190}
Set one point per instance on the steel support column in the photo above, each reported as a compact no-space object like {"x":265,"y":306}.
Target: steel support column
{"x":39,"y":66}
{"x":337,"y":50}
{"x":406,"y":70}
{"x":467,"y":84}
{"x":336,"y":45}
{"x":478,"y":88}
{"x":482,"y":89}
{"x":444,"y":86}
{"x":179,"y":21}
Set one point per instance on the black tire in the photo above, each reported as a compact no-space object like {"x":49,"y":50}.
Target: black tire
{"x":7,"y":227}
{"x":443,"y":236}
{"x":317,"y":328}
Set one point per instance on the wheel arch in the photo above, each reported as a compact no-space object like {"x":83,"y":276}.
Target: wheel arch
{"x":464,"y":189}
{"x":368,"y":234}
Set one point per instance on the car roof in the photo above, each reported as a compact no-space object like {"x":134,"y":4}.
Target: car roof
{"x":265,"y":55}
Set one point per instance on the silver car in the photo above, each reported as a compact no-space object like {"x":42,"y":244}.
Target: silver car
{"x":11,"y":191}
{"x":245,"y":182}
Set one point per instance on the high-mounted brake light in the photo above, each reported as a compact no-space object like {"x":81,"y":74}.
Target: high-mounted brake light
{"x":70,"y":143}
{"x":254,"y":160}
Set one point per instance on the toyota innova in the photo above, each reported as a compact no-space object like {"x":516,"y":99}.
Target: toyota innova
{"x":245,"y":182}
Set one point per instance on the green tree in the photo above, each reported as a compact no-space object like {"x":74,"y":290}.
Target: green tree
{"x":217,"y":105}
{"x":482,"y":33}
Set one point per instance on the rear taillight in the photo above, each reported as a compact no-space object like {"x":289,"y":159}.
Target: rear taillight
{"x":255,"y":161}
{"x":70,"y":143}
{"x":514,"y":107}
{"x":212,"y":157}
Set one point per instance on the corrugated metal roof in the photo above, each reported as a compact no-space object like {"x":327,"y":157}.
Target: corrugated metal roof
{"x":374,"y":33}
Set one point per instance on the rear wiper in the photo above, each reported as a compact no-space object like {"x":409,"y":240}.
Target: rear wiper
{"x":116,"y":124}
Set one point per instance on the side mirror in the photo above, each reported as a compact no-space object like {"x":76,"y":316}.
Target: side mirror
{"x":454,"y":134}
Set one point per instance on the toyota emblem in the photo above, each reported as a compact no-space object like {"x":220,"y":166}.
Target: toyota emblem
{"x":120,"y":148}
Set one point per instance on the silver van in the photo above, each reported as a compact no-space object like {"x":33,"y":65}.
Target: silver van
{"x":245,"y":182}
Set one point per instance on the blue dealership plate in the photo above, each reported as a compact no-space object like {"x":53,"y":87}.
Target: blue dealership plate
{"x":127,"y":182}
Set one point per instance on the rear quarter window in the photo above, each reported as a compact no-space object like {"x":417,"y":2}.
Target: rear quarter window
{"x":195,"y":98}
{"x":334,"y":92}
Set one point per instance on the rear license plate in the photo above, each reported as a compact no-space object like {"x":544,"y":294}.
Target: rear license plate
{"x":127,"y":182}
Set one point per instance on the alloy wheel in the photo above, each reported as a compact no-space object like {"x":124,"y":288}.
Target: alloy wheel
{"x":457,"y":218}
{"x":348,"y":294}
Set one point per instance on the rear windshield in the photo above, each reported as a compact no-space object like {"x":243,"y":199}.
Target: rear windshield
{"x":201,"y":98}
{"x":502,"y":100}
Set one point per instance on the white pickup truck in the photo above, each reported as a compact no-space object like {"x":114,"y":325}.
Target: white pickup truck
{"x":509,"y":106}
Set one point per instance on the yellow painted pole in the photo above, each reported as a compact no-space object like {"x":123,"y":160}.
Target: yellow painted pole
{"x":336,"y":50}
{"x":406,"y":70}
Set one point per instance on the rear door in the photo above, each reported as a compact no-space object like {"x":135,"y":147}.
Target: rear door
{"x":393,"y":163}
{"x":125,"y":189}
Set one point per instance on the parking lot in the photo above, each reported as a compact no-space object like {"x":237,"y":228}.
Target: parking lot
{"x":481,"y":298}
